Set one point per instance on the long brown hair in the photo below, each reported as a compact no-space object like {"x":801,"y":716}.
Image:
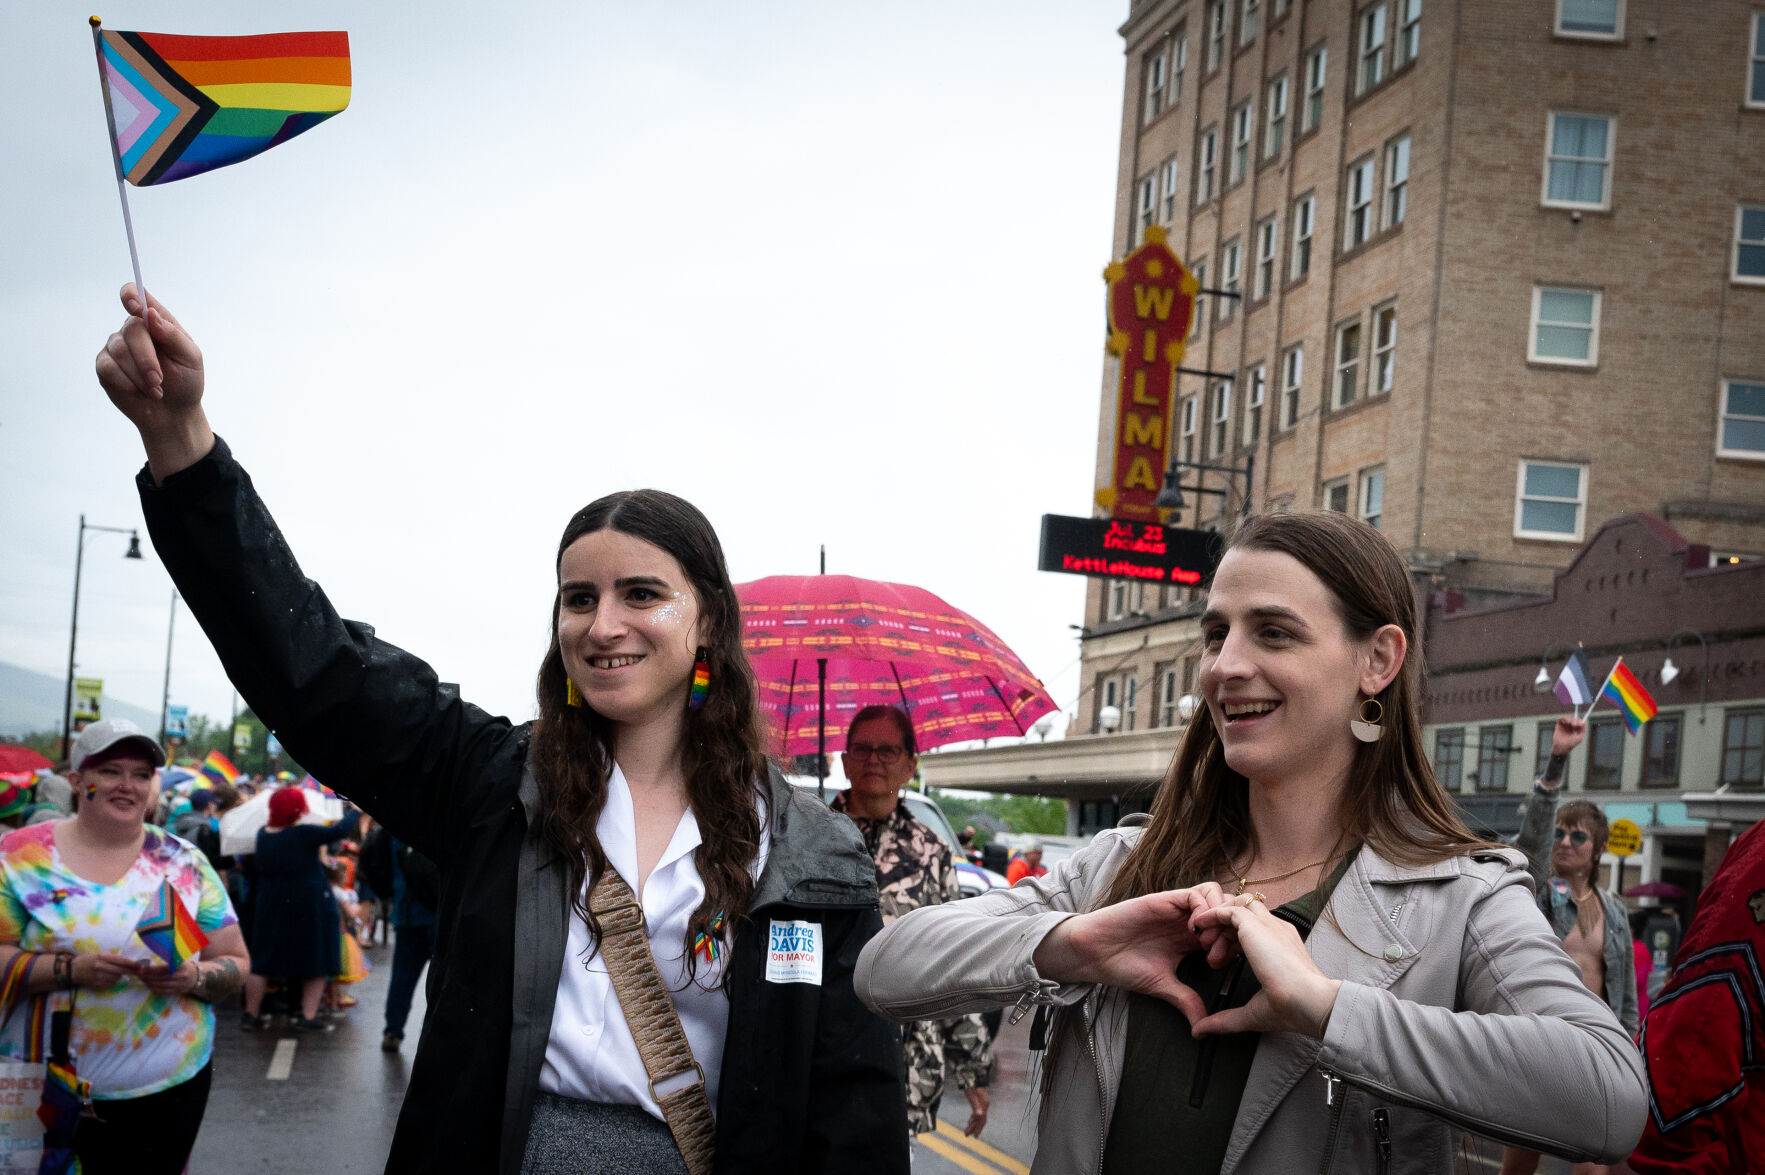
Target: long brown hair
{"x":1200,"y":818}
{"x":723,"y":756}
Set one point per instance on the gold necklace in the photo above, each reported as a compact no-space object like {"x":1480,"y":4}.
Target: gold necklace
{"x":1245,"y":882}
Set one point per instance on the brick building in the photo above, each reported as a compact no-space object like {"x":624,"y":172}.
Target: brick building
{"x":1502,"y":278}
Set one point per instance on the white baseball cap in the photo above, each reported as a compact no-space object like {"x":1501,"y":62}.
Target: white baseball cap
{"x":111,"y":734}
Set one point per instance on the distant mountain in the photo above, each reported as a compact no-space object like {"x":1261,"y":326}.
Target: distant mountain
{"x":32,"y":701}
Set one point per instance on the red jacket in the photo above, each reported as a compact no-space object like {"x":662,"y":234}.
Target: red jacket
{"x":1704,"y":1041}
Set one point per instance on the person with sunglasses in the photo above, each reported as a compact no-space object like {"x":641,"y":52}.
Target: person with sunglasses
{"x":914,"y":868}
{"x":1592,"y":923}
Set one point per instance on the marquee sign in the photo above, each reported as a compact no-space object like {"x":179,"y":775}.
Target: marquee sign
{"x":1113,"y":549}
{"x":1151,"y":300}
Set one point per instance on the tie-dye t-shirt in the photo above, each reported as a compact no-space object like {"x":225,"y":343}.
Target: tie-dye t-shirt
{"x":127,"y":1041}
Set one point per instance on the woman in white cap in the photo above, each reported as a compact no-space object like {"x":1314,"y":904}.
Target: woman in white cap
{"x":72,"y":893}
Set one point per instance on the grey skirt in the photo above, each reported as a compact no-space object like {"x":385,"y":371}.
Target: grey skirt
{"x":570,"y":1137}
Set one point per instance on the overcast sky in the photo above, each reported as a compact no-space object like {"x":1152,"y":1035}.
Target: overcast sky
{"x":830,"y":271}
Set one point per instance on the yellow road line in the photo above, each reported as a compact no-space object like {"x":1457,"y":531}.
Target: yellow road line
{"x":990,"y":1153}
{"x":957,"y":1155}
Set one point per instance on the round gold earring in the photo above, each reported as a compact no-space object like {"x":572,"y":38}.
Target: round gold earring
{"x":1367,"y":729}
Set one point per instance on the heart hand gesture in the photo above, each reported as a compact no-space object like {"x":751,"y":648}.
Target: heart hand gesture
{"x":1137,"y":944}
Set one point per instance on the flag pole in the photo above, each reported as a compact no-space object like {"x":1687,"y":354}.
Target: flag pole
{"x":1601,"y":691}
{"x":116,"y":158}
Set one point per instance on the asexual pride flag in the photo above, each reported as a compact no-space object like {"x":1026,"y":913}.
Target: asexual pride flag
{"x":185,"y":105}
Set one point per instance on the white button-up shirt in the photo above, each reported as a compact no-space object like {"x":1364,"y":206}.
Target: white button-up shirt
{"x":590,"y":1053}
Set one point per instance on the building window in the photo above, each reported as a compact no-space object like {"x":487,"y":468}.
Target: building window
{"x":1602,"y":19}
{"x":1167,"y":695}
{"x":1168,"y":191}
{"x":1155,"y":82}
{"x":1660,"y":763}
{"x":1210,"y":148}
{"x":1348,"y":364}
{"x":1231,"y":259}
{"x":1216,"y":34}
{"x":1186,"y":437}
{"x":1397,"y":180}
{"x":1130,"y":701}
{"x":1259,"y":380}
{"x":1409,"y":31}
{"x":1179,"y":62}
{"x":1542,"y":758}
{"x":1384,"y":349}
{"x":1118,"y":607}
{"x":1743,"y":420}
{"x":1493,"y":746}
{"x":1268,"y":235}
{"x":1578,"y":161}
{"x":1749,"y":244}
{"x":1756,"y":65}
{"x":1743,"y":747}
{"x":1292,"y":374}
{"x":1358,"y":224}
{"x":1605,"y":754}
{"x":1148,"y":208}
{"x":1336,"y":495}
{"x":1275,"y":118}
{"x":1372,"y":506}
{"x":1313,"y":114}
{"x":1247,"y":21}
{"x":1550,"y":500}
{"x":1449,"y":757}
{"x":1372,"y":48}
{"x":1565,"y":326}
{"x":1222,"y":416}
{"x":1243,"y":119}
{"x":1303,"y":210}
{"x":1199,"y":269}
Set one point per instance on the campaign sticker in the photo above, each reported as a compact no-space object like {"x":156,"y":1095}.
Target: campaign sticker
{"x":793,"y":952}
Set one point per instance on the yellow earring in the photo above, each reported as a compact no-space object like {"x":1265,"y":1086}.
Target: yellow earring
{"x":572,"y":695}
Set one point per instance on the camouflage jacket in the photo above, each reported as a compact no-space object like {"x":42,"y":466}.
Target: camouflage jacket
{"x":914,"y":868}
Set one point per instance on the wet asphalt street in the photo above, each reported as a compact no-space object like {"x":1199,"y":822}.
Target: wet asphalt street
{"x":286,"y":1103}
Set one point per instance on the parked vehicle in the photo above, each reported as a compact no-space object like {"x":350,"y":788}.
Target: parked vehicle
{"x":972,"y":878}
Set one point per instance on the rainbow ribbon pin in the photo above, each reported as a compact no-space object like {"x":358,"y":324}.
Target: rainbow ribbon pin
{"x":707,"y":943}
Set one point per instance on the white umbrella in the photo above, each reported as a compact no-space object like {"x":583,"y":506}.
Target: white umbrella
{"x":239,"y":828}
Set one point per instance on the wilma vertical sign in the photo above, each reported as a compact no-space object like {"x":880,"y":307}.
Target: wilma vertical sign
{"x":1151,"y":299}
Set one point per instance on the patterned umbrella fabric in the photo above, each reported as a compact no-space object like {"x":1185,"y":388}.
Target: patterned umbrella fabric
{"x":884,"y":643}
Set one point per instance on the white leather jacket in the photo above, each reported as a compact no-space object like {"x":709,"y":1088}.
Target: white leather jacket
{"x":1458,"y":1011}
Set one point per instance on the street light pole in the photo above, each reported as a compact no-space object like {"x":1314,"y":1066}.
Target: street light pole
{"x":73,"y":628}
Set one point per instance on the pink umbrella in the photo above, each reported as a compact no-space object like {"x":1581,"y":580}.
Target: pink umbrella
{"x":826,"y":646}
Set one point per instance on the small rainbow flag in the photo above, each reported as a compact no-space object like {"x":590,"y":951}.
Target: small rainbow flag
{"x":181,"y":105}
{"x":313,"y":785}
{"x":218,"y":769}
{"x":1628,"y":695}
{"x":168,"y":929}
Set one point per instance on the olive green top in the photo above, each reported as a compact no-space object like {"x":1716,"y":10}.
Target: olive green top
{"x":1179,"y":1095}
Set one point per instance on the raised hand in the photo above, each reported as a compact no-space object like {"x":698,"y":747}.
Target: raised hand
{"x":1567,"y":734}
{"x":1136,"y":945}
{"x":1295,"y":995}
{"x":152,"y":371}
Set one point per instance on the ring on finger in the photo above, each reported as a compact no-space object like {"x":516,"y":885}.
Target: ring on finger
{"x":1257,"y":897}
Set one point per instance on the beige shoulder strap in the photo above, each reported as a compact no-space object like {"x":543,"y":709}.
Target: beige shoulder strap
{"x":649,"y":1011}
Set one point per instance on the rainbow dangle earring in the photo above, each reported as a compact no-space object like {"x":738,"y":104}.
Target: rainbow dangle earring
{"x":701,"y":681}
{"x":708,"y":943}
{"x":572,"y":695}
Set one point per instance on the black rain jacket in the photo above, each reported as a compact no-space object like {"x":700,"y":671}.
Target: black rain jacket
{"x":811,"y":1079}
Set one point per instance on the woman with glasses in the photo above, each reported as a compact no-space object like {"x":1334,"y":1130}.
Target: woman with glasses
{"x":631,"y":841}
{"x":1591,"y":922}
{"x":1301,"y":959}
{"x":914,"y":868}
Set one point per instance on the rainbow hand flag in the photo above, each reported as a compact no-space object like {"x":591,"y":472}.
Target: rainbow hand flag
{"x":218,"y":769}
{"x":1628,"y":695}
{"x":168,"y":929}
{"x":180,"y":106}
